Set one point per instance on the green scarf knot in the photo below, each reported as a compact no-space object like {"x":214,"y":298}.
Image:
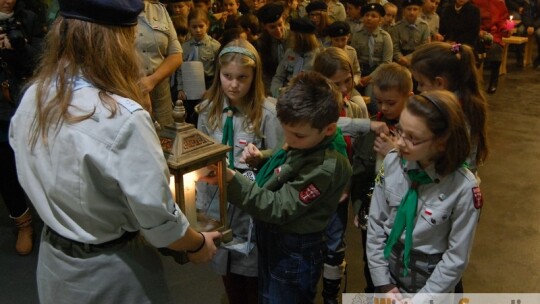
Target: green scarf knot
{"x":337,"y":143}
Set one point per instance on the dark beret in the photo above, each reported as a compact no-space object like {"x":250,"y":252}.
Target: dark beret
{"x":108,"y":12}
{"x":302,"y":25}
{"x":338,"y":29}
{"x":270,"y":12}
{"x":406,"y":3}
{"x":316,"y":6}
{"x":373,"y":7}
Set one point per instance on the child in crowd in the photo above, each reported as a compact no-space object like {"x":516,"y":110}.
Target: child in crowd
{"x":252,"y":27}
{"x":441,"y":65}
{"x":179,"y":7}
{"x":374,"y":46}
{"x":389,"y":19}
{"x":409,"y":32}
{"x":340,"y":33}
{"x":334,"y":64}
{"x":392,"y":87}
{"x":230,"y":12}
{"x":299,"y":57}
{"x":353,"y":10}
{"x":272,"y":43}
{"x":429,"y":15}
{"x":318,"y":14}
{"x":200,"y":47}
{"x":336,"y":10}
{"x":181,"y":28}
{"x":297,"y":190}
{"x":236,"y":105}
{"x":214,"y":30}
{"x":425,"y":205}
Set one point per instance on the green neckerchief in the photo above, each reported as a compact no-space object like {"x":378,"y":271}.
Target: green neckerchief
{"x":336,"y":143}
{"x":228,"y":133}
{"x":405,"y":216}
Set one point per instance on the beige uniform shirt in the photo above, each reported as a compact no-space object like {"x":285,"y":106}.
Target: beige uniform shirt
{"x":156,"y":37}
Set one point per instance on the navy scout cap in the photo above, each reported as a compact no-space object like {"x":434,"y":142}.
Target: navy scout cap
{"x":107,"y":12}
{"x":338,"y":29}
{"x":373,"y":7}
{"x":270,"y":13}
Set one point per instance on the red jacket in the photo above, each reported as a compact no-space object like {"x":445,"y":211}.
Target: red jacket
{"x":494,"y":15}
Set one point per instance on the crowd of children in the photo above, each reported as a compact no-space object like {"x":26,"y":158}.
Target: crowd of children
{"x":317,"y":101}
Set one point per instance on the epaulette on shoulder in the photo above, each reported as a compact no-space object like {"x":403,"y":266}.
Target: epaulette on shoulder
{"x":129,"y":104}
{"x":467,"y":174}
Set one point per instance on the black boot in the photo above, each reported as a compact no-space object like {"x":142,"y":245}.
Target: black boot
{"x":493,"y":76}
{"x":330,"y":291}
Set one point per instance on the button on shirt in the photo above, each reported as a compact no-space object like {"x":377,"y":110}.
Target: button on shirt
{"x":445,"y":223}
{"x":156,"y":37}
{"x":99,"y":177}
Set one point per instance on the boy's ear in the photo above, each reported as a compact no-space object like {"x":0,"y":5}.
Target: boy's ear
{"x":330,"y":129}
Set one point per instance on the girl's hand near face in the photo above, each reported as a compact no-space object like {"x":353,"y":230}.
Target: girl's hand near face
{"x":384,"y":143}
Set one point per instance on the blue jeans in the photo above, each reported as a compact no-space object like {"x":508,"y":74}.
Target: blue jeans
{"x":290,"y":265}
{"x":335,"y":235}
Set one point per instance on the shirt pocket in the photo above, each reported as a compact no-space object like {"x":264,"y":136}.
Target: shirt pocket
{"x":435,"y":215}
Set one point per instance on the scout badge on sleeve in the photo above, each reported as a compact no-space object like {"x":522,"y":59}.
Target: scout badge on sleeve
{"x":309,"y":194}
{"x":477,"y":196}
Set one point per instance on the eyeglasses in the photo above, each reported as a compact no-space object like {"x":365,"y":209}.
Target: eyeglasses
{"x":408,"y":140}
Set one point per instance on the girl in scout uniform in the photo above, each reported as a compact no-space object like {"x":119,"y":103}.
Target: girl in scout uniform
{"x":373,"y":45}
{"x":318,"y":14}
{"x":113,"y":183}
{"x":425,"y":205}
{"x":334,"y":63}
{"x":236,"y":105}
{"x":200,"y":47}
{"x":299,"y":57}
{"x":445,"y":66}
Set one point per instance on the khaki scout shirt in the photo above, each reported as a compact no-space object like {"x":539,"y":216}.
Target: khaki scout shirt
{"x":445,"y":223}
{"x":156,"y":37}
{"x":301,"y":195}
{"x":383,"y":50}
{"x":286,"y":68}
{"x":208,"y":49}
{"x":406,"y":37}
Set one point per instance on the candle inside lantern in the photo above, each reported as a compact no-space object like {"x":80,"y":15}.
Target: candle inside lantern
{"x":510,"y":24}
{"x":189,"y":198}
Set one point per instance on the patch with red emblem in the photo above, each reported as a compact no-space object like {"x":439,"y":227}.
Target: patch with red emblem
{"x":277,"y":170}
{"x":477,"y":197}
{"x":290,"y":58}
{"x":309,"y":194}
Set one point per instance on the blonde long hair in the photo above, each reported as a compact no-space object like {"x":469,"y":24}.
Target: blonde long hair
{"x":252,"y":103}
{"x":103,"y":55}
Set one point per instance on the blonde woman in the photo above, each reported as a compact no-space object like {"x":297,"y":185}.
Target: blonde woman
{"x":90,"y":161}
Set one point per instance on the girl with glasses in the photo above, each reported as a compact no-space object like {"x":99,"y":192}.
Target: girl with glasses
{"x":425,"y":205}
